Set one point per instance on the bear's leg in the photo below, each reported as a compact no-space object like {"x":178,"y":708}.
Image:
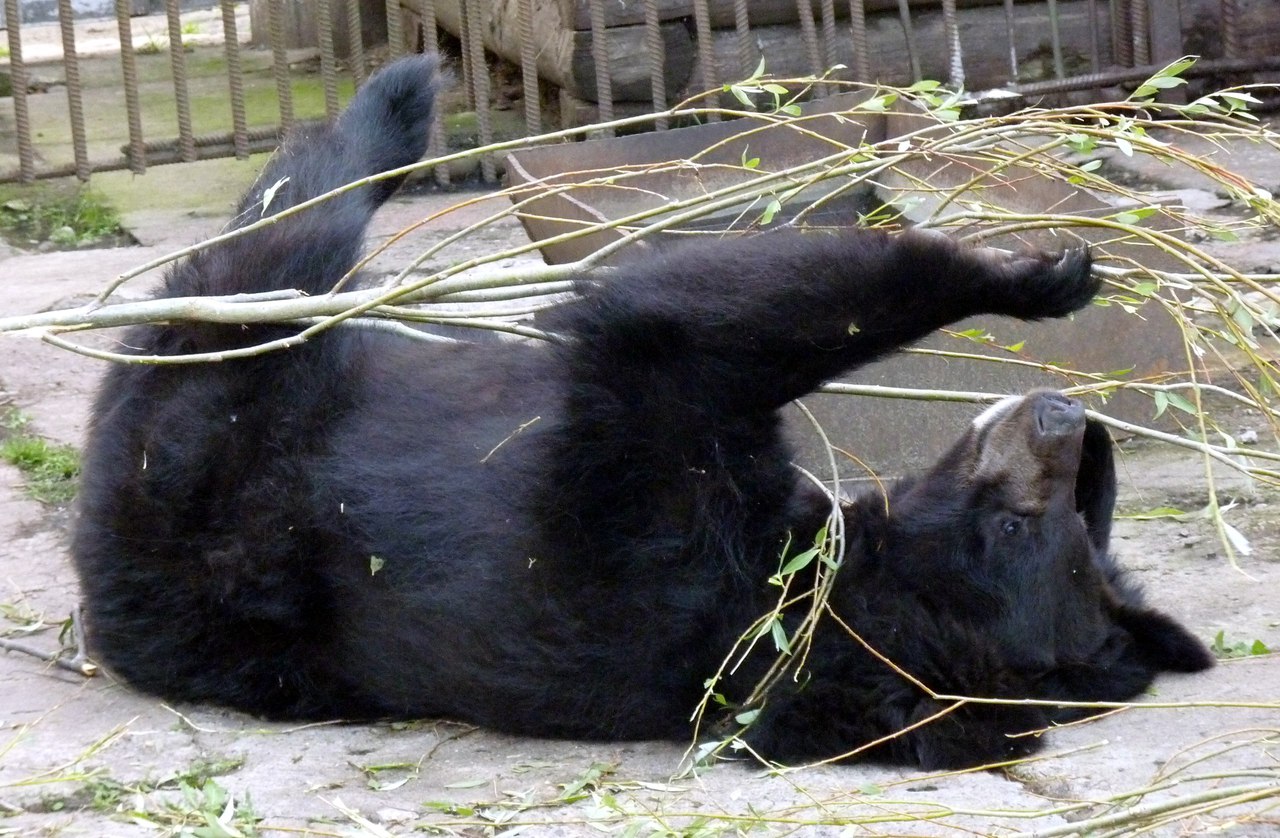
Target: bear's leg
{"x":747,"y":325}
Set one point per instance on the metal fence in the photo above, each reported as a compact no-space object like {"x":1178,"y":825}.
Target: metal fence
{"x":127,"y":102}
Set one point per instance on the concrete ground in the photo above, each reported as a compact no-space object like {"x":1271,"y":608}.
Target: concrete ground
{"x":87,"y":756}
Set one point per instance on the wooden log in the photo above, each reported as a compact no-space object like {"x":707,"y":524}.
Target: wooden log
{"x":760,"y":12}
{"x":983,"y":39}
{"x":564,"y":55}
{"x":300,"y":24}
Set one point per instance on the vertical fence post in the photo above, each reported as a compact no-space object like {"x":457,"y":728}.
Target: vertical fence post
{"x":1011,"y":26}
{"x":827,"y":9}
{"x":861,"y":47}
{"x":75,"y":90}
{"x":181,"y":94}
{"x":706,"y":53}
{"x":235,"y":79}
{"x":355,"y":42}
{"x":280,"y":62}
{"x":1138,"y":21}
{"x":1095,"y":49}
{"x":908,"y":32}
{"x":600,"y":58}
{"x":1055,"y":40}
{"x":129,"y":72}
{"x":657,"y":60}
{"x":431,"y":46}
{"x":1231,"y":35}
{"x":951,"y":31}
{"x":1121,"y":33}
{"x":473,"y":48}
{"x":529,"y":69}
{"x":395,"y":29}
{"x":18,"y":80}
{"x":809,"y":35}
{"x":747,"y":58}
{"x":328,"y":62}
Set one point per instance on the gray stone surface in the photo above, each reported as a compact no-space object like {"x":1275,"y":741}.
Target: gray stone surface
{"x":90,"y":757}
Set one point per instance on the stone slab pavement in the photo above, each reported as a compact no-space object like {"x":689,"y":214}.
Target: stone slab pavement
{"x":90,"y":757}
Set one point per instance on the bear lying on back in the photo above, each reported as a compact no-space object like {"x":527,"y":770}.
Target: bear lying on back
{"x":572,"y":535}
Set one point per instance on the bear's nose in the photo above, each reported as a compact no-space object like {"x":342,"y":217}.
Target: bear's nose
{"x":1058,"y":415}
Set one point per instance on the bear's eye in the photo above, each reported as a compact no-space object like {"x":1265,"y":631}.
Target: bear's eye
{"x":1013,"y":526}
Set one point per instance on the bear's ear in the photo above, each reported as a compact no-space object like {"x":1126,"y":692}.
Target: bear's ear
{"x":1096,"y":485}
{"x":1163,"y":641}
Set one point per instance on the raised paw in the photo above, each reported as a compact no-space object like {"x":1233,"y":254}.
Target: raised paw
{"x":1038,"y":284}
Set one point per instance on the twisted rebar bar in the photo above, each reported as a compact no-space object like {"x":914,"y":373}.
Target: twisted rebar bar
{"x":136,"y":154}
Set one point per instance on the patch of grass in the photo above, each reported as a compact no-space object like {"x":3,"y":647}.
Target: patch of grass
{"x":49,"y":470}
{"x":67,"y":216}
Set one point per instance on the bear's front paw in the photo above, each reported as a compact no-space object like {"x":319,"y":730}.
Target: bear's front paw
{"x":1037,"y":284}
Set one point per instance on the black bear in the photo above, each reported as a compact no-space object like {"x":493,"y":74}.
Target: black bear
{"x":566,"y":538}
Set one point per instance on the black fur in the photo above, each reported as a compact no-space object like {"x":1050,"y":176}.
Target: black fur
{"x":569,"y":538}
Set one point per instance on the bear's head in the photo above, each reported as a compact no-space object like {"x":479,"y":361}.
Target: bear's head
{"x":1008,"y":534}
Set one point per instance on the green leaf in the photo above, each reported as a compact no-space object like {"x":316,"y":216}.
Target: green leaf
{"x":1181,"y":403}
{"x":1091,"y":166}
{"x":1161,"y":399}
{"x":747,"y":716}
{"x":780,"y":636}
{"x":375,"y":564}
{"x":1133,"y":216}
{"x":1259,"y":648}
{"x":790,"y":110}
{"x":1243,"y":318}
{"x":1237,"y":100}
{"x":1082,"y":143}
{"x":770,"y":210}
{"x":799,"y":561}
{"x":1178,"y":67}
{"x":880,"y":103}
{"x":978,"y":335}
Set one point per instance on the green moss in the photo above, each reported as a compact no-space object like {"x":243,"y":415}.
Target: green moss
{"x":49,"y":471}
{"x":67,"y":214}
